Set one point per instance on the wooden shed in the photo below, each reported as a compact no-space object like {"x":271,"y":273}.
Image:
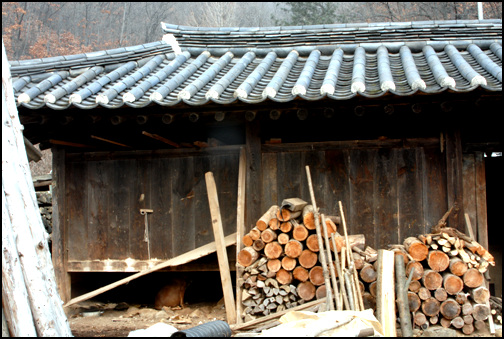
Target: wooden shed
{"x":396,"y":120}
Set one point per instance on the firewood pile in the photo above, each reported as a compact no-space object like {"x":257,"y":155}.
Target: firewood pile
{"x":283,"y":265}
{"x":448,"y":286}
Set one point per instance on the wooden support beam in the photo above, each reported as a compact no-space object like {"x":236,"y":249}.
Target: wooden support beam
{"x":177,"y":261}
{"x":227,"y":288}
{"x":110,"y":141}
{"x":240,"y":226}
{"x":167,"y":118}
{"x":454,"y":175}
{"x":68,"y":143}
{"x":160,"y":138}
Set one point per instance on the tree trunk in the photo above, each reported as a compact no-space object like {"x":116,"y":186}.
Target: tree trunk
{"x":306,"y":290}
{"x":432,"y":280}
{"x":247,"y":256}
{"x":438,"y":261}
{"x":452,"y":284}
{"x":417,"y":249}
{"x":449,"y":309}
{"x":293,"y":248}
{"x":263,"y":222}
{"x":308,"y":259}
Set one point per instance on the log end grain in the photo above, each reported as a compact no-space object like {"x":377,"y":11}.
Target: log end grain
{"x":438,"y":261}
{"x":306,"y":290}
{"x":247,"y":256}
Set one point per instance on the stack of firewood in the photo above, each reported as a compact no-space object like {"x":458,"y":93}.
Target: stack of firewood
{"x":448,"y":286}
{"x":282,"y":262}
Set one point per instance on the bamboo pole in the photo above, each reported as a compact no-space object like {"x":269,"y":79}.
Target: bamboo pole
{"x":331,"y":266}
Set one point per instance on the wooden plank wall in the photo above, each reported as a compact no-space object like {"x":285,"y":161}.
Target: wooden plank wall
{"x":388,"y":194}
{"x":105,"y":198}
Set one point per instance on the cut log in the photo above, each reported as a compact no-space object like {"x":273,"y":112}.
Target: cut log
{"x":369,"y":301}
{"x":306,"y":290}
{"x":414,"y":286}
{"x":480,"y":312}
{"x":283,"y":277}
{"x":331,"y":226}
{"x":321,"y":292}
{"x":400,"y":252}
{"x":309,"y":217}
{"x":461,"y":298}
{"x":421,"y":320}
{"x":480,"y":295}
{"x":414,"y":302}
{"x":432,"y":280}
{"x":312,"y":243}
{"x":468,"y":329}
{"x":358,"y":261}
{"x":458,"y":266}
{"x":316,"y":275}
{"x":430,"y":307}
{"x":268,"y":235}
{"x":286,"y":227}
{"x":273,"y":250}
{"x":274,"y":224}
{"x":247,"y":256}
{"x":283,"y":214}
{"x":479,"y":325}
{"x":308,"y":259}
{"x":434,"y":320}
{"x":468,"y":319}
{"x":424,"y":293}
{"x":368,"y":273}
{"x":274,"y":265}
{"x":263,"y":222}
{"x":452,"y":284}
{"x":416,"y":249}
{"x":300,"y":232}
{"x":457,"y":322}
{"x":293,"y":248}
{"x":288,"y":263}
{"x":300,"y":273}
{"x":440,"y":294}
{"x":467,"y":308}
{"x":247,"y":240}
{"x":449,"y":309}
{"x":283,"y":238}
{"x":438,"y":261}
{"x":446,"y":323}
{"x":258,"y":245}
{"x":419,"y":271}
{"x":255,"y":234}
{"x":473,"y":278}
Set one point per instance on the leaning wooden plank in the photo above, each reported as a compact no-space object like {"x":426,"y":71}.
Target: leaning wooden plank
{"x":385,"y":293}
{"x":227,"y":287}
{"x":261,"y":320}
{"x":240,"y":225}
{"x":178,"y":260}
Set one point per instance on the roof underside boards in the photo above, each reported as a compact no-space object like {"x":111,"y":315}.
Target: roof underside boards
{"x":148,"y":74}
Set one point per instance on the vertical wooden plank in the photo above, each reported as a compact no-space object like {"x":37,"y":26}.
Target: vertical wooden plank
{"x":469,"y":185}
{"x":203,"y":225}
{"x":385,"y":199}
{"x":319,"y":174}
{"x":337,"y":180}
{"x":288,"y":175}
{"x":240,"y":227}
{"x":183,"y":235}
{"x":454,"y":178}
{"x":226,"y":178}
{"x":434,"y":184}
{"x":221,"y":248}
{"x":361,"y":201}
{"x":481,"y":203}
{"x":119,"y":207}
{"x":60,"y":231}
{"x":254,"y":172}
{"x":409,"y":180}
{"x":76,"y":209}
{"x":98,"y":188}
{"x":269,"y":186}
{"x":140,"y":198}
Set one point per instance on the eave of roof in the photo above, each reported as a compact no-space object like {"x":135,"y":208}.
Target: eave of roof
{"x":431,"y":62}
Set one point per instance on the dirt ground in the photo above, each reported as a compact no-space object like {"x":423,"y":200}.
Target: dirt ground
{"x":118,"y":320}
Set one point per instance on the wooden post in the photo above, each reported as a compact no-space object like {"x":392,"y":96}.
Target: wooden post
{"x":402,"y":297}
{"x":385,"y":295}
{"x":227,"y":288}
{"x":26,"y":227}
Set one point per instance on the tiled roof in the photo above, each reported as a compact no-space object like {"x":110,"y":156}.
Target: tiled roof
{"x":251,"y":65}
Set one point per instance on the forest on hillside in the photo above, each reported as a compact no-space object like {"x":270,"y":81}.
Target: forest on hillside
{"x":43,"y":29}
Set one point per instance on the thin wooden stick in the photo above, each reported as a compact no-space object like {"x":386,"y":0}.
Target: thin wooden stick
{"x":160,"y":138}
{"x":110,"y":141}
{"x":329,"y":298}
{"x":343,"y":297}
{"x":331,"y":267}
{"x":360,"y":302}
